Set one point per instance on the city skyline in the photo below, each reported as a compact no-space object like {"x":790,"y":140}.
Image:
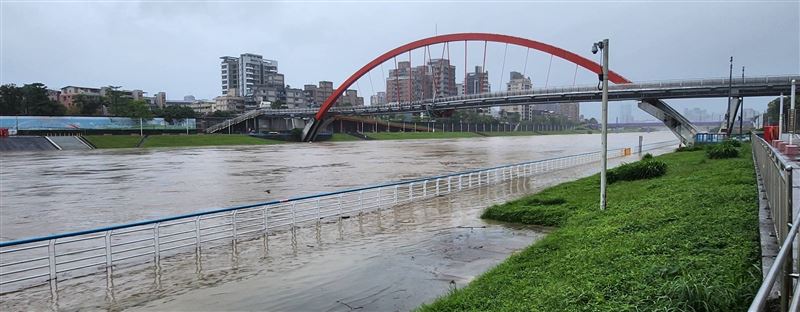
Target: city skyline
{"x":187,"y":61}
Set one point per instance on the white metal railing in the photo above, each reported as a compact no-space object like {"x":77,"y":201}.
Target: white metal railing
{"x":29,"y":262}
{"x":776,"y":174}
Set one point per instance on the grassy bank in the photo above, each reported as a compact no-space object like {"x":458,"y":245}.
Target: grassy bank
{"x":113,"y":141}
{"x":343,"y":137}
{"x":527,"y":133}
{"x":686,"y":241}
{"x":127,"y":141}
{"x":419,"y":135}
{"x":205,"y":140}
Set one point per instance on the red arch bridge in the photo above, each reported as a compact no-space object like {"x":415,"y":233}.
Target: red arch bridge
{"x":650,"y":95}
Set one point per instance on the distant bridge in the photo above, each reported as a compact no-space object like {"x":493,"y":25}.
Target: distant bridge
{"x":643,"y":92}
{"x":649,"y":95}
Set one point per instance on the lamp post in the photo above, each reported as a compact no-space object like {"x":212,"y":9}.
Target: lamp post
{"x":741,"y":104}
{"x":792,"y":116}
{"x":603,"y":46}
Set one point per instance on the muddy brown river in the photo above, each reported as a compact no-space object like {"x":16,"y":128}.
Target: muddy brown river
{"x":391,"y":260}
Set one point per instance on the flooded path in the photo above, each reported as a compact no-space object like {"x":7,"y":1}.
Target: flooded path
{"x":394,"y":259}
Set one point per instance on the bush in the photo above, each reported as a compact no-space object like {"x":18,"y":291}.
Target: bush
{"x":644,"y":169}
{"x":647,"y":156}
{"x":731,"y":142}
{"x":690,"y":148}
{"x":721,"y":151}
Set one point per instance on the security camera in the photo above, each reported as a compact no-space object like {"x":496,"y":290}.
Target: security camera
{"x":594,"y":48}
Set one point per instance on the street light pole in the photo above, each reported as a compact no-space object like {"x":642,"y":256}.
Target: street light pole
{"x":603,"y":46}
{"x":728,"y":121}
{"x":792,"y":116}
{"x":741,"y":104}
{"x":780,"y":117}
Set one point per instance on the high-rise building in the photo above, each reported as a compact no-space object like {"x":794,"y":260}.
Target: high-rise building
{"x":443,"y":76}
{"x":247,"y":72}
{"x":570,"y":110}
{"x":518,"y":82}
{"x":230,"y":74}
{"x":316,"y":95}
{"x":160,"y":99}
{"x":477,"y":82}
{"x":406,"y":84}
{"x":378,"y":99}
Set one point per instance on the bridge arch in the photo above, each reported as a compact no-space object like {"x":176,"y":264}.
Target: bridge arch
{"x":489,"y":37}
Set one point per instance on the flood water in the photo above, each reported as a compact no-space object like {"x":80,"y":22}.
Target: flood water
{"x":394,"y":259}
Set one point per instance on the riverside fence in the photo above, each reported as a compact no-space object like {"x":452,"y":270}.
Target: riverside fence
{"x":777,"y":175}
{"x":36,"y":261}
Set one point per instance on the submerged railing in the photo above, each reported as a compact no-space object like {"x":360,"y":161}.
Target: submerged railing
{"x":34,"y":261}
{"x":776,"y":174}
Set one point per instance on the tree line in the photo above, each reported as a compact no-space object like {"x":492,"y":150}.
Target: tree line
{"x":33,"y":100}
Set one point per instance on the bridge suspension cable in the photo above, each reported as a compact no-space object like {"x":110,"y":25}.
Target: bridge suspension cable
{"x":525,"y":67}
{"x":575,"y":76}
{"x":547,"y":79}
{"x":503,"y":68}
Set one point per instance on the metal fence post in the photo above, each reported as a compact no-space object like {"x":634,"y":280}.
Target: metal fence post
{"x":51,"y":253}
{"x":108,"y":249}
{"x":788,"y":263}
{"x":360,"y":201}
{"x":197,"y":232}
{"x":437,"y":186}
{"x":449,"y":183}
{"x":156,"y":243}
{"x":293,"y":214}
{"x":233,"y":222}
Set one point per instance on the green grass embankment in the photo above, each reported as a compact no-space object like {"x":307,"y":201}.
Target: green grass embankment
{"x":205,"y":140}
{"x":342,"y":137}
{"x":419,"y":135}
{"x":129,"y":141}
{"x":527,"y":133}
{"x":113,"y":141}
{"x":687,"y":241}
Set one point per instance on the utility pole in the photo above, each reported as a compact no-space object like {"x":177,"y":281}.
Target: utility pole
{"x":728,"y":121}
{"x":792,"y":116}
{"x":603,"y":46}
{"x":780,"y":117}
{"x":741,"y":104}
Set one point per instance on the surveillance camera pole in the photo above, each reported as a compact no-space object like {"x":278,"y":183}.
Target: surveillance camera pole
{"x":604,"y":131}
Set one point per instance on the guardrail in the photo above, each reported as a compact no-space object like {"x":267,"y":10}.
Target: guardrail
{"x":776,"y":173}
{"x":34,"y":261}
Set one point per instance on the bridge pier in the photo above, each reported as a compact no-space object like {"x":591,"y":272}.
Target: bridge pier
{"x":730,"y":116}
{"x":679,"y":125}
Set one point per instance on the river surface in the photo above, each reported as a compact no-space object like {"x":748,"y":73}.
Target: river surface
{"x":389,"y":260}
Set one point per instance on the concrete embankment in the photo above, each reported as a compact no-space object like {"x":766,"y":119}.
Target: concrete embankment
{"x":69,"y":143}
{"x":25,"y":143}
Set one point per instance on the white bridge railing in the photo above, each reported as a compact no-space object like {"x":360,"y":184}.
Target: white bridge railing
{"x":35,"y":261}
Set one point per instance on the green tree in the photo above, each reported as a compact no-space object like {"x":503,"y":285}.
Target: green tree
{"x":171,"y":113}
{"x":10,"y":100}
{"x":139,"y":109}
{"x":86,"y":105}
{"x":118,"y":104}
{"x":774,"y":105}
{"x":35,"y":101}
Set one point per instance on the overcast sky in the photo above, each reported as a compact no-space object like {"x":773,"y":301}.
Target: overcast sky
{"x":175,"y":47}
